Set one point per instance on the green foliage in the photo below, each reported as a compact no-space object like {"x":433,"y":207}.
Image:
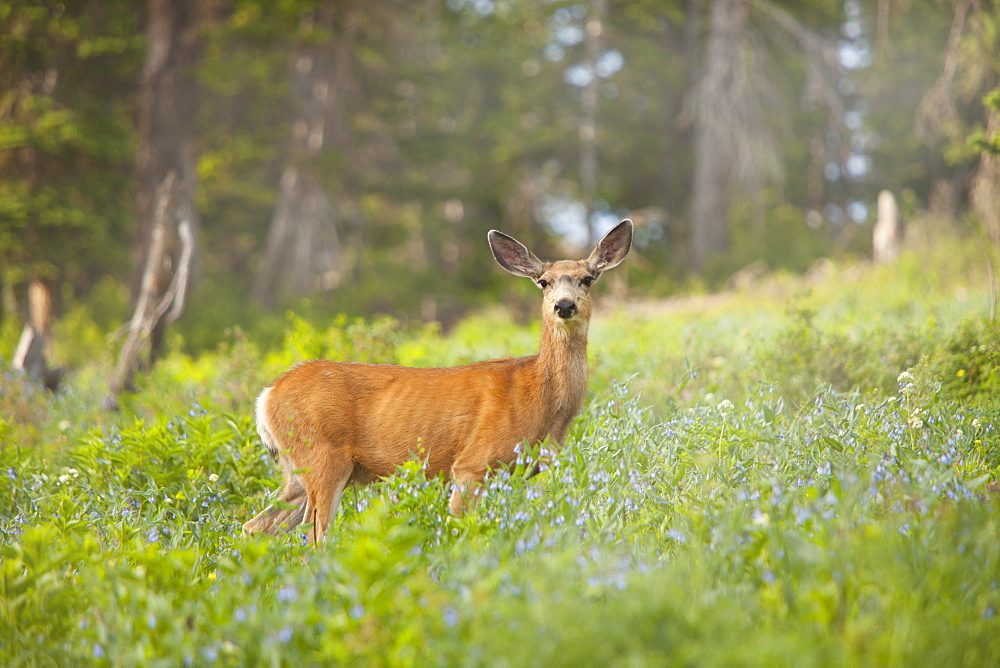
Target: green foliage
{"x":66,"y":139}
{"x":780,"y":472}
{"x":969,"y":362}
{"x":980,"y":140}
{"x":453,"y":121}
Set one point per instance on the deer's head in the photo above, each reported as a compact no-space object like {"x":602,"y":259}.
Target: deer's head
{"x":565,"y":284}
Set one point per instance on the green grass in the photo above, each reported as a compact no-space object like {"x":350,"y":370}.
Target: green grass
{"x":801,"y":473}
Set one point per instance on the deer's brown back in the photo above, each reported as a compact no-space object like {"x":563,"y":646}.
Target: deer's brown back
{"x":383,"y":413}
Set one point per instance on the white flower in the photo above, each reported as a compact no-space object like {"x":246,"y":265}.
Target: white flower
{"x":905,"y":377}
{"x":213,"y":477}
{"x":724,"y":405}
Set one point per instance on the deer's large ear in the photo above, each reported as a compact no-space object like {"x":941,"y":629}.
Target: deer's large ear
{"x":514,"y":256}
{"x":612,"y":249}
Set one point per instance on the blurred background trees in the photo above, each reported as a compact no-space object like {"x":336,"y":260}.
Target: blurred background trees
{"x":356,"y":153}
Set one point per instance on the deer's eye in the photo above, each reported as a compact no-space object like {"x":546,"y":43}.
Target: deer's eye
{"x":542,"y":283}
{"x":588,"y":281}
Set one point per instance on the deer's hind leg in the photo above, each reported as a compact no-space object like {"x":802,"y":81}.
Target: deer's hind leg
{"x":290,"y":509}
{"x":324,"y":485}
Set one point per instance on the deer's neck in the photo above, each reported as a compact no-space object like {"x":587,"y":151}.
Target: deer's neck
{"x":562,"y":360}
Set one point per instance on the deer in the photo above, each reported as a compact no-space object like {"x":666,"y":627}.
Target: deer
{"x":331,"y":424}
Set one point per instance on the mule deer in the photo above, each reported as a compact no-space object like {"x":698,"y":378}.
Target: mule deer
{"x":328,"y":424}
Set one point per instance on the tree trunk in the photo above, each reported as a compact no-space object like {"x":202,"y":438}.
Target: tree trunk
{"x":303,"y":249}
{"x":714,"y":142}
{"x":156,"y":305}
{"x":167,"y":130}
{"x":588,"y":127}
{"x":31,"y":355}
{"x":676,"y":123}
{"x":887,"y":235}
{"x":985,"y":194}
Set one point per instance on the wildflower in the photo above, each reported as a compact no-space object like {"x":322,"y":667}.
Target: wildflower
{"x":287,"y":594}
{"x":760,"y":519}
{"x":802,"y":514}
{"x":724,"y":405}
{"x":676,"y":535}
{"x":213,"y":477}
{"x":960,"y":373}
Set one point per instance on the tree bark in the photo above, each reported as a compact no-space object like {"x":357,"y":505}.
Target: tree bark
{"x":676,"y":122}
{"x":714,"y":145}
{"x":168,"y":109}
{"x":887,"y":235}
{"x":985,"y":193}
{"x":302,"y":252}
{"x":594,"y":30}
{"x":157,"y":305}
{"x":31,"y":355}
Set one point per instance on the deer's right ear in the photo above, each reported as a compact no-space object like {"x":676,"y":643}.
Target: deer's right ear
{"x":514,"y":256}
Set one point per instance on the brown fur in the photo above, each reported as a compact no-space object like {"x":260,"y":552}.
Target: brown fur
{"x":332,"y":423}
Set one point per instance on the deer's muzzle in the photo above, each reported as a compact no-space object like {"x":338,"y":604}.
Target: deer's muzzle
{"x":565,"y":309}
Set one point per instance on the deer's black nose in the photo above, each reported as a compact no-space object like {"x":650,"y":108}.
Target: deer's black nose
{"x":565,"y":308}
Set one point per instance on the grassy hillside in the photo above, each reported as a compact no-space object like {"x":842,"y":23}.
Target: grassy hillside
{"x":798,"y":472}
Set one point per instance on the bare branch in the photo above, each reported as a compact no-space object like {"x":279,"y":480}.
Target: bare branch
{"x":820,"y":58}
{"x":170,"y":302}
{"x":937,"y":112}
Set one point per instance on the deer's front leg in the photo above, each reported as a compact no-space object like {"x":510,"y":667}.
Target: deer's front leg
{"x":468,"y":486}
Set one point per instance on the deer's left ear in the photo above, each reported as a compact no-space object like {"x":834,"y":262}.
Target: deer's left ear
{"x":612,"y":249}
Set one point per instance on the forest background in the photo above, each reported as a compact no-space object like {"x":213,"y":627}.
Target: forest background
{"x":801,"y":468}
{"x":354,"y":154}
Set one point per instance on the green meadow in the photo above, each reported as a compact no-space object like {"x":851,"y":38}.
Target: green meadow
{"x":798,"y":471}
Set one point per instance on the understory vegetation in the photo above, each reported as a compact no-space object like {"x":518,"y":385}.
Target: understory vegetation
{"x":799,"y":472}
